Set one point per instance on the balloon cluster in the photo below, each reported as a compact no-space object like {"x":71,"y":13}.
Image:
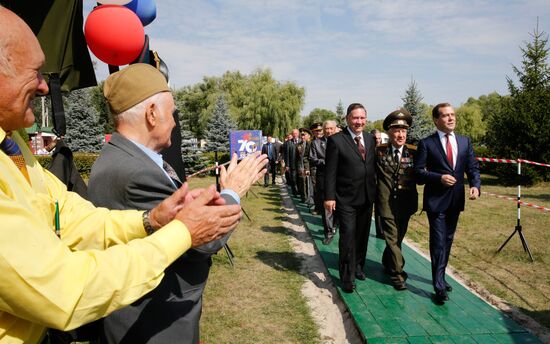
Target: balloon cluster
{"x":114,"y":30}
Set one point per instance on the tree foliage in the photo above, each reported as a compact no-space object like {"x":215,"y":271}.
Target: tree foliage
{"x":470,"y":121}
{"x":100,"y":104}
{"x":317,"y":115}
{"x":340,"y":115}
{"x":219,"y":127}
{"x":421,"y":126}
{"x":191,"y":153}
{"x":255,"y":101}
{"x":83,"y":130}
{"x":520,"y":126}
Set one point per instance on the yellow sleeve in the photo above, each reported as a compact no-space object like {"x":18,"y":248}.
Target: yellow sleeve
{"x":46,"y":282}
{"x":83,"y":226}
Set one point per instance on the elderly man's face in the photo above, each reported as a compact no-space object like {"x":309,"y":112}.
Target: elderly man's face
{"x":329,"y":129}
{"x":19,"y":86}
{"x":162,"y":132}
{"x":398,"y":136}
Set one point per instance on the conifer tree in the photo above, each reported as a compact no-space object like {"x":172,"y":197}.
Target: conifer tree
{"x":520,"y":127}
{"x":421,"y":125}
{"x":191,"y":153}
{"x":340,"y":115}
{"x":84,"y":133}
{"x":219,"y":127}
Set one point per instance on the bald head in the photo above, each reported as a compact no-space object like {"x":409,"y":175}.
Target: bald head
{"x":20,"y":80}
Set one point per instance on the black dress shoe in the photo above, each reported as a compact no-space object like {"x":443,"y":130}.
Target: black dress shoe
{"x":360,"y":275}
{"x":448,"y":287}
{"x":440,"y":297}
{"x":400,"y":285}
{"x":348,"y":287}
{"x":327,"y":241}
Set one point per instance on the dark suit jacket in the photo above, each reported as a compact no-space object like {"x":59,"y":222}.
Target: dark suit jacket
{"x":276,"y":150}
{"x":431,"y":163}
{"x":317,"y":156}
{"x":124,"y":177}
{"x":289,"y":154}
{"x":348,"y":179}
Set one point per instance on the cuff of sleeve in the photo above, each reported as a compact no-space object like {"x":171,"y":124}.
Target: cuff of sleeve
{"x":231,"y":193}
{"x":175,"y":238}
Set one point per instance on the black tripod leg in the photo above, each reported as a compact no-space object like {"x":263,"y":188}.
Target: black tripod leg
{"x":229,"y":254}
{"x":510,"y":237}
{"x":525,"y":246}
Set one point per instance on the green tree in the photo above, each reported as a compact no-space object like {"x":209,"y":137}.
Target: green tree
{"x":219,"y":127}
{"x":255,"y":101}
{"x":191,"y":153}
{"x":83,"y":129}
{"x":421,"y":125}
{"x":520,"y":127}
{"x":100,"y":104}
{"x":317,"y":115}
{"x":470,"y":121}
{"x":340,"y":115}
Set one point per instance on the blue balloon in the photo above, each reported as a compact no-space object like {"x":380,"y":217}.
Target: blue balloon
{"x":146,"y":10}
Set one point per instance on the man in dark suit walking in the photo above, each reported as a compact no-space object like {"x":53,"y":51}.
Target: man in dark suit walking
{"x":289,"y":156}
{"x":442,"y":160}
{"x":272,"y":151}
{"x":350,"y":188}
{"x":317,"y":158}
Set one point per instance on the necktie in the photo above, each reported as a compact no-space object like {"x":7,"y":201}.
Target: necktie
{"x":171,"y":172}
{"x":269,"y":152}
{"x":449,"y":151}
{"x":12,"y":150}
{"x":360,"y":147}
{"x":396,"y":156}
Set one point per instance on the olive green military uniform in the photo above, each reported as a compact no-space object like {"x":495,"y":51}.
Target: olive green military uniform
{"x":397,"y":200}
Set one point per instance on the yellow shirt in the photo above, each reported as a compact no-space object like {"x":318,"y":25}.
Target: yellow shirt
{"x":46,"y":281}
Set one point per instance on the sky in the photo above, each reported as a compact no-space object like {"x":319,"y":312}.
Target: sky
{"x":350,"y":51}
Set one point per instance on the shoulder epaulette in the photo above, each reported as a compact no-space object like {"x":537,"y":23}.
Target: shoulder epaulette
{"x":411,"y":147}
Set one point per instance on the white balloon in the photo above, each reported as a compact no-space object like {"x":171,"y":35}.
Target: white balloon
{"x":114,"y":2}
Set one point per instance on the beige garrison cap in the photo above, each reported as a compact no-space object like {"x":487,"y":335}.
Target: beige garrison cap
{"x":133,"y":85}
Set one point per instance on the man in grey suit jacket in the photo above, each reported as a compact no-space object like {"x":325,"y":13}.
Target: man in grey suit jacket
{"x":131,"y":174}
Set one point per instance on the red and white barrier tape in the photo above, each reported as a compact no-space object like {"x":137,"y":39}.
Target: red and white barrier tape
{"x":510,"y":161}
{"x":539,"y":207}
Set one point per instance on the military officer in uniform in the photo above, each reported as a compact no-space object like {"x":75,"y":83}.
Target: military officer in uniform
{"x":396,"y":198}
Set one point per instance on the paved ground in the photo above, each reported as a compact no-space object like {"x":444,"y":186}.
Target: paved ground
{"x":384,"y":315}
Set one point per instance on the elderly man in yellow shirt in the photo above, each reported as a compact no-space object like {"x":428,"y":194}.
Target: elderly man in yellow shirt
{"x":64,"y":262}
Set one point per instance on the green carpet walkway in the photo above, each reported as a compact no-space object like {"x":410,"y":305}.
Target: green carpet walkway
{"x":384,"y":315}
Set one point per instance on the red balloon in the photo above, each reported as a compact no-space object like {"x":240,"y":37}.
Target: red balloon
{"x":114,"y":34}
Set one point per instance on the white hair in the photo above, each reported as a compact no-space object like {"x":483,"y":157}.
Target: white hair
{"x":133,"y":114}
{"x":329,"y":122}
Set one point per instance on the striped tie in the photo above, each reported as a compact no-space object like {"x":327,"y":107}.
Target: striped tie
{"x":12,"y":150}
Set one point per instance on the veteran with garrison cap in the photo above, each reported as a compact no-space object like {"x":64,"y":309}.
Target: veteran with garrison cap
{"x":131,"y":174}
{"x":396,"y":198}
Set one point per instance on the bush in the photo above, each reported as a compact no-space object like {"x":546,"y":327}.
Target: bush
{"x":82,"y":161}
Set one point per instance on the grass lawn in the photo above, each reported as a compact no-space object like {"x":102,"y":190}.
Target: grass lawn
{"x":483,"y":227}
{"x":258,"y":300}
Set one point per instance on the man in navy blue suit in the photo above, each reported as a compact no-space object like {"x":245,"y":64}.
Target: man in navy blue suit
{"x":442,"y":159}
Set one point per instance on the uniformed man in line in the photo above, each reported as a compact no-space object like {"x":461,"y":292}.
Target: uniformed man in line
{"x":317,"y":130}
{"x":397,"y":198}
{"x":302,"y":166}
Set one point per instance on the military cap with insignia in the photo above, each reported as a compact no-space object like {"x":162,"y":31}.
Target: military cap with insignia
{"x":305,"y":130}
{"x":399,"y":118}
{"x":316,"y":126}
